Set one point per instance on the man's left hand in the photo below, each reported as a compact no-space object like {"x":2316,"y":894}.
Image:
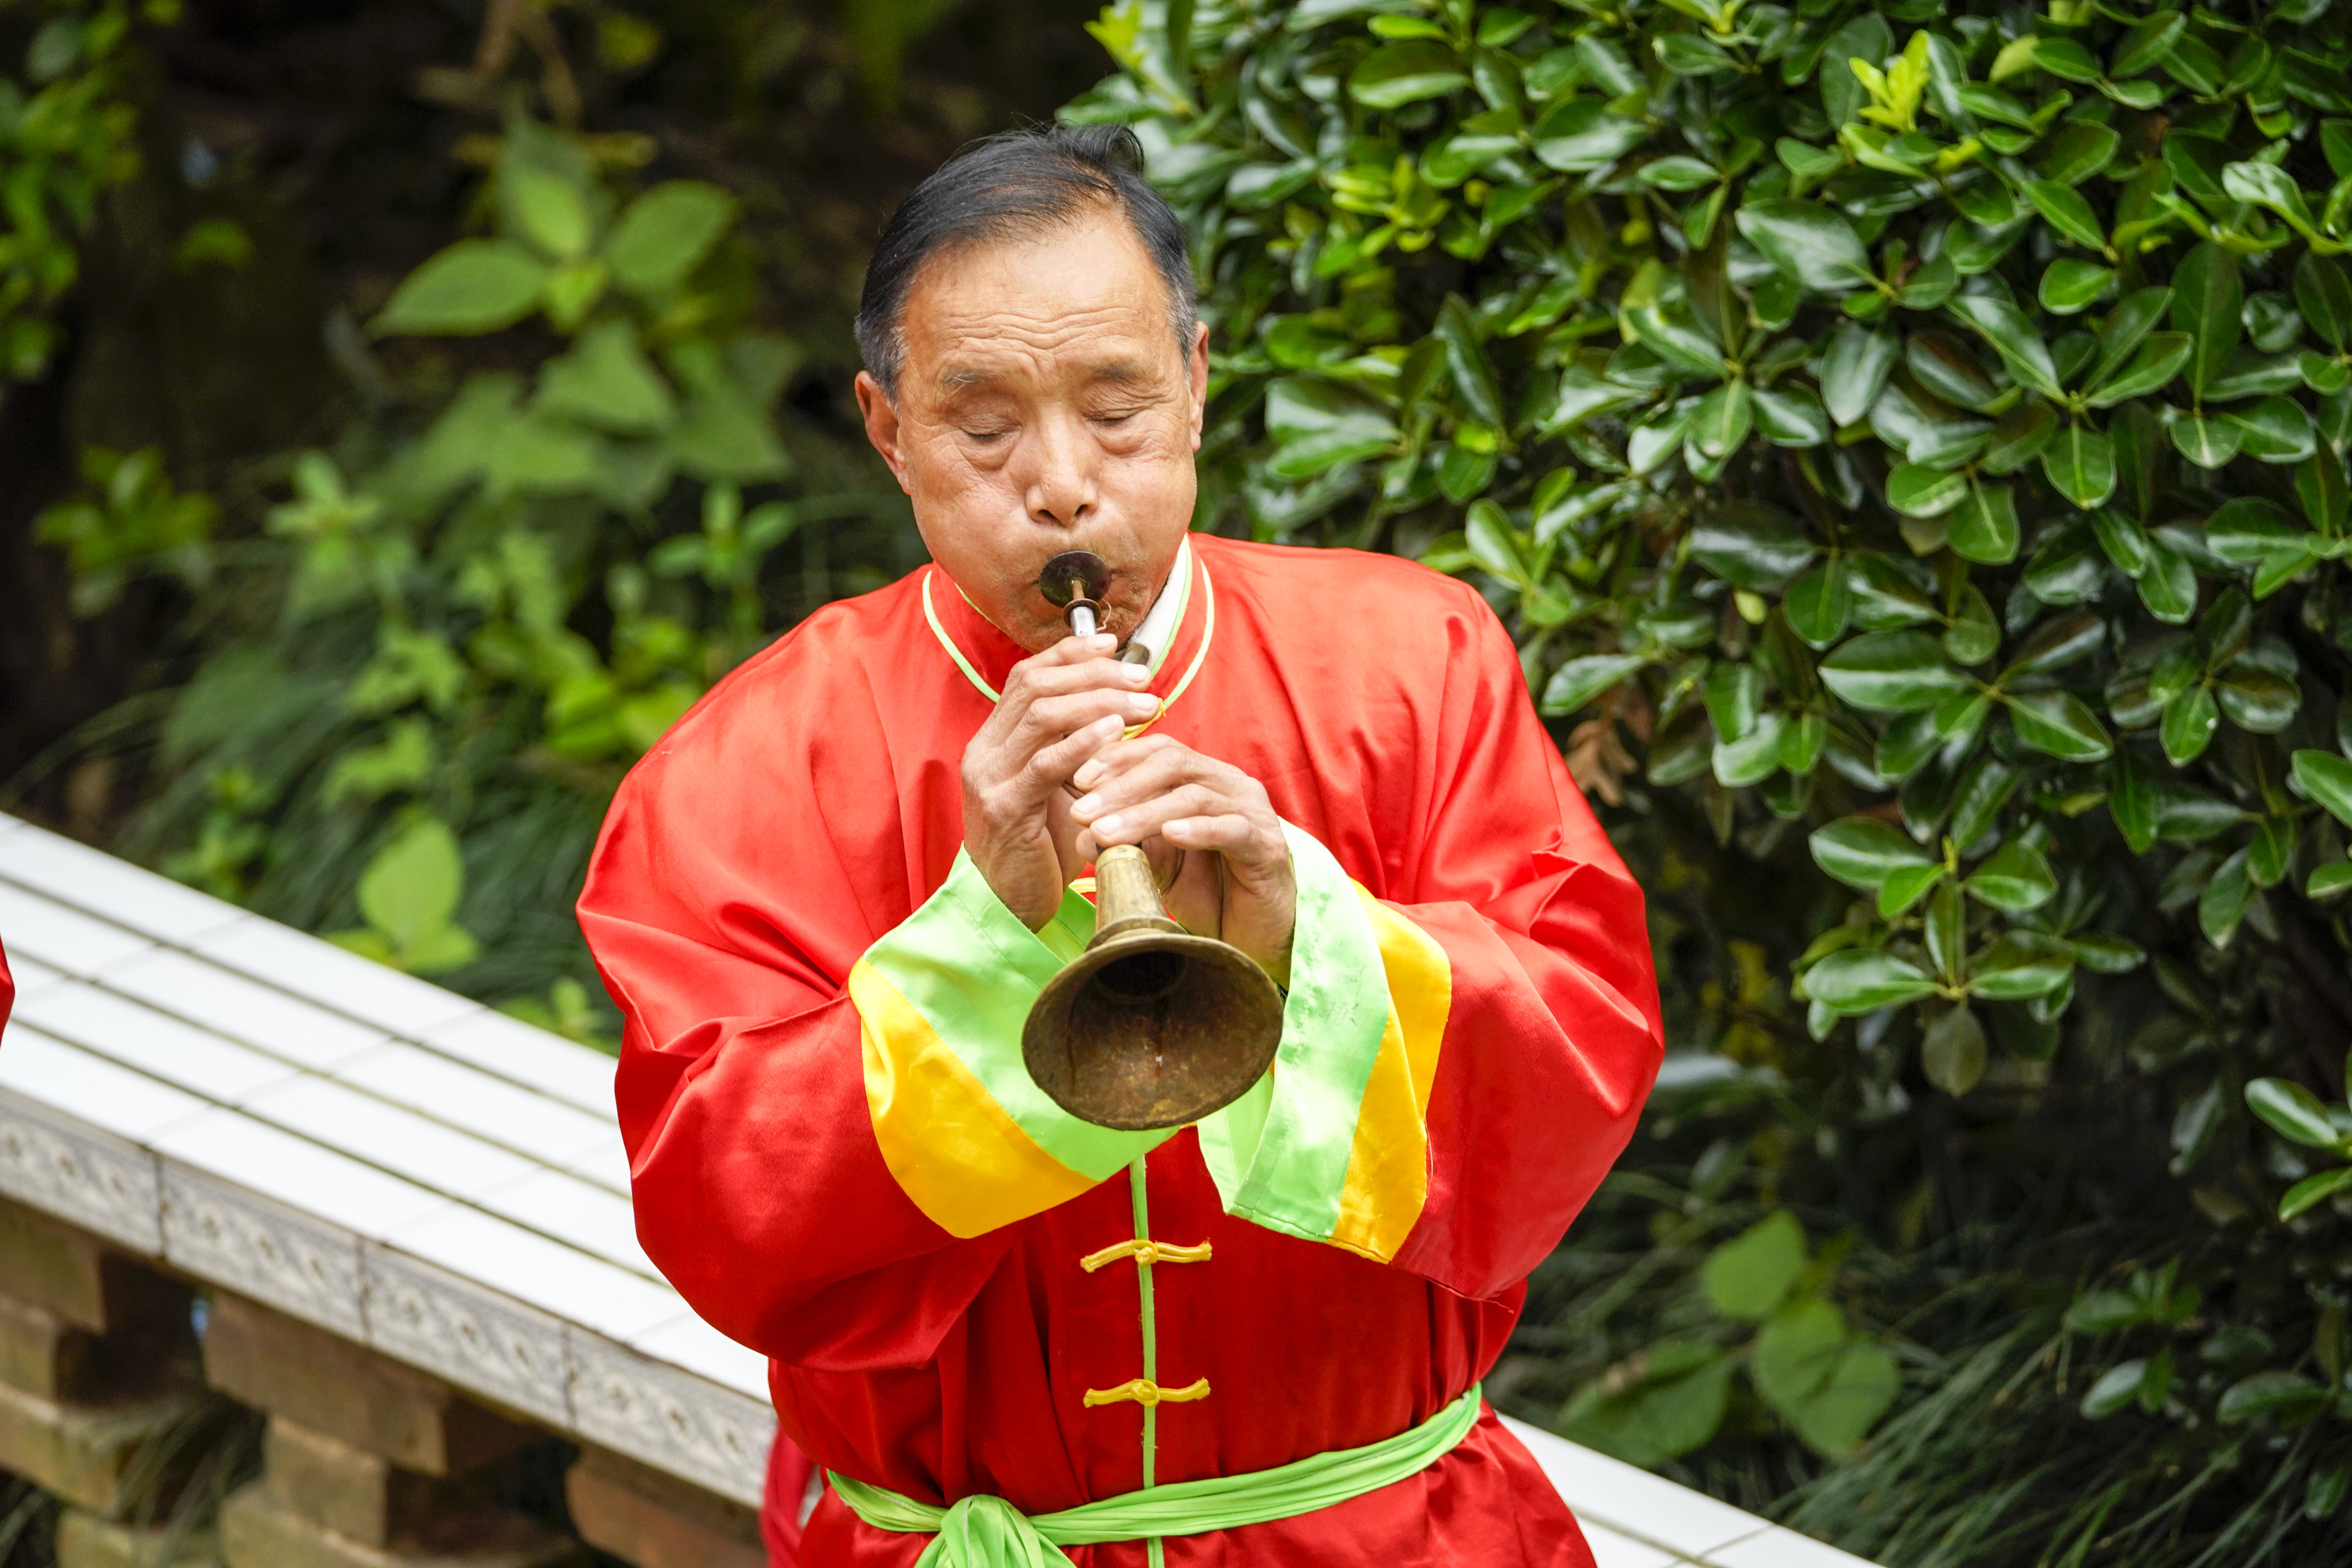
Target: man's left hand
{"x":1236,"y":881}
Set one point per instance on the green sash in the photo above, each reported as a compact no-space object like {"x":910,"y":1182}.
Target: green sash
{"x":988,"y":1532}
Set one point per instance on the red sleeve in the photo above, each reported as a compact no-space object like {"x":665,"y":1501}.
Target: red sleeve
{"x":7,"y":988}
{"x":1553,"y":1033}
{"x":724,"y":915}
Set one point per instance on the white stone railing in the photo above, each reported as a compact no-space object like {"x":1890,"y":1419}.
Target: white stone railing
{"x":262,"y":1112}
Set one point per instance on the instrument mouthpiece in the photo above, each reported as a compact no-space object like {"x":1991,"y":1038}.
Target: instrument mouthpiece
{"x":1074,"y":582}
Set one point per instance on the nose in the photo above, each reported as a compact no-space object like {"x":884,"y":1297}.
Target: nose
{"x":1059,"y":488}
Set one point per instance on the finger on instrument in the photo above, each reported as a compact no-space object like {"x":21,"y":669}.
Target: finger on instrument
{"x":1131,"y":824}
{"x":1237,"y":837}
{"x":1162,"y":774}
{"x":1127,"y":755}
{"x":1073,"y":665}
{"x":1053,"y":764}
{"x":1060,"y":715}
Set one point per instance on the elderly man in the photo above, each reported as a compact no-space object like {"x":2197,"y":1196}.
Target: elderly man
{"x":825,"y":902}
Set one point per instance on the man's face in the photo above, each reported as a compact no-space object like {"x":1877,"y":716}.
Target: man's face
{"x":1043,"y":406}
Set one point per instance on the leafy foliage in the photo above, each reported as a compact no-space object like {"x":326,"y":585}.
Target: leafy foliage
{"x":401,"y":717}
{"x":65,"y":135}
{"x":1830,"y":1383}
{"x":1913,"y":432}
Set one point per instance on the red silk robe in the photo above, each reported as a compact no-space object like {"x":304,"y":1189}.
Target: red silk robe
{"x":811,"y":804}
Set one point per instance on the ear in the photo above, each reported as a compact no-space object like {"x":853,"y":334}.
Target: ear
{"x":882,"y":426}
{"x":1199,"y":380}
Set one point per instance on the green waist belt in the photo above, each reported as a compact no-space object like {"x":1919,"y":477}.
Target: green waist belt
{"x":988,"y":1532}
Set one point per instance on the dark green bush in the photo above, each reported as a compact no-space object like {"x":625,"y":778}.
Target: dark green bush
{"x":1908,"y":444}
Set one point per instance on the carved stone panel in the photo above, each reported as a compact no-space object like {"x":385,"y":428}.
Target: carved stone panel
{"x":484,"y":1343}
{"x":68,"y":1168}
{"x":261,"y":1249}
{"x":670,"y":1419}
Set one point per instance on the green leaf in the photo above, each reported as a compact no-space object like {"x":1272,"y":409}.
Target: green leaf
{"x":2323,"y":295}
{"x":1679,"y":1392}
{"x":2018,"y":965}
{"x":1789,"y":416}
{"x":2205,"y":300}
{"x":1906,"y":887}
{"x":1863,"y":851}
{"x":2146,"y":42}
{"x":1893,"y":672}
{"x":1984,"y":527}
{"x":473,"y":287}
{"x":2160,"y":359}
{"x":2012,"y":336}
{"x":1497,"y":545}
{"x":2104,"y":955}
{"x":2222,"y":904}
{"x":664,"y":234}
{"x":1808,"y":242}
{"x":1830,"y":1386}
{"x":1677,"y":339}
{"x":2066,"y":58}
{"x":402,"y":760}
{"x":2283,"y":1394}
{"x":1473,"y":373}
{"x":2133,"y":317}
{"x":2080,"y":464}
{"x":1952,"y":1050}
{"x":2328,"y":881}
{"x":2071,"y":285}
{"x":2326,"y":778}
{"x":549,"y":210}
{"x":1862,"y":981}
{"x":2319,"y":485}
{"x":2257,"y":699}
{"x":1750,"y":545}
{"x":2275,"y":429}
{"x":1919,"y":491}
{"x":2020,"y":437}
{"x":1581,"y":135}
{"x":1396,"y":74}
{"x":2313,"y":1190}
{"x":2067,"y":213}
{"x":1749,"y":1275}
{"x":1819,"y":603}
{"x":2267,"y":185}
{"x":2117,"y":1387}
{"x":1720,"y":424}
{"x":2077,"y":150}
{"x":2107,"y":1311}
{"x":409,"y":895}
{"x":2187,"y":726}
{"x":1853,"y":370}
{"x":2210,"y":442}
{"x":2247,"y":531}
{"x":2169,"y":584}
{"x":606,"y":380}
{"x":1318,"y":426}
{"x":2017,"y":878}
{"x":1579,"y":681}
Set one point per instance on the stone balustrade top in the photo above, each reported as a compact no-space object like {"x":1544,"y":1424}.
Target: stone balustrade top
{"x":267,"y":1113}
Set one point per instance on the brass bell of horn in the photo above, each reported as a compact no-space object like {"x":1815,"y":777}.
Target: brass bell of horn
{"x":1150,"y":1026}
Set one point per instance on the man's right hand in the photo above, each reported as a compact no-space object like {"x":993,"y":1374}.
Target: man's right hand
{"x":1058,"y":709}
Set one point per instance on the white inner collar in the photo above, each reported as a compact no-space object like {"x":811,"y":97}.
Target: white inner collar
{"x":1157,"y":631}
